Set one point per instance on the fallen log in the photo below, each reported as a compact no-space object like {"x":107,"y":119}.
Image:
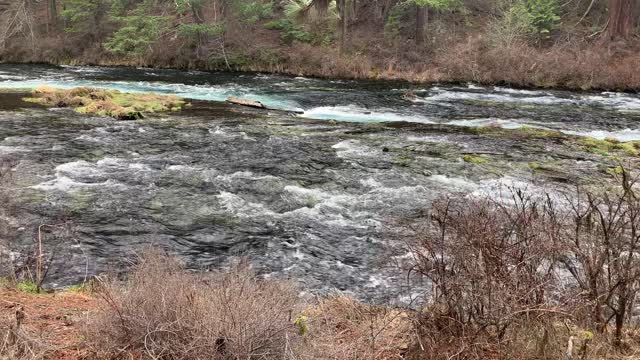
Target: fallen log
{"x":258,"y":105}
{"x":246,"y":102}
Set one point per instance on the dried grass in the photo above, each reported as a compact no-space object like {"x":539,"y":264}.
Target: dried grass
{"x":343,"y":328}
{"x":18,"y":343}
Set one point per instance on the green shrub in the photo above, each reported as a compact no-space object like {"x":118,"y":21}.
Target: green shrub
{"x":290,"y":31}
{"x":393,"y":24}
{"x":27,"y":286}
{"x":525,"y":20}
{"x":82,"y":16}
{"x":137,"y":34}
{"x":193,"y":30}
{"x":543,"y":15}
{"x":253,"y":10}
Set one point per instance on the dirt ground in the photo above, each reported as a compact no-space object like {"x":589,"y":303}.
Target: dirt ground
{"x":54,"y":317}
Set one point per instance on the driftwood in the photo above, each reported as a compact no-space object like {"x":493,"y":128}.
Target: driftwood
{"x":246,"y":102}
{"x":257,"y":105}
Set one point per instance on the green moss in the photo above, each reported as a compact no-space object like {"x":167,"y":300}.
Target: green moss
{"x":539,"y":133}
{"x":618,"y":170}
{"x":79,"y":289}
{"x":608,"y":146}
{"x":479,"y":130}
{"x":474,"y":159}
{"x":524,"y":131}
{"x":112,"y":103}
{"x":535,"y":166}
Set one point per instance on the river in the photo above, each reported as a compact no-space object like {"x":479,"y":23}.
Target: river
{"x":323,"y":197}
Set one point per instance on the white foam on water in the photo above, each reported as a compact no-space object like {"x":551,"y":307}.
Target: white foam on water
{"x":350,"y":148}
{"x":449,"y":95}
{"x":112,"y":162}
{"x":217,"y":131}
{"x":456,"y":183}
{"x":376,"y":281}
{"x":12,"y":149}
{"x":242,"y":208}
{"x":183,"y":168}
{"x":354,"y":113}
{"x":66,"y":184}
{"x":371,"y":183}
{"x":315,"y":197}
{"x":77,"y":168}
{"x":139,"y":167}
{"x":620,"y":135}
{"x":85,"y":137}
{"x":503,"y":123}
{"x":428,"y":138}
{"x":80,"y":173}
{"x":521,"y":91}
{"x":619,"y":101}
{"x":244,"y":175}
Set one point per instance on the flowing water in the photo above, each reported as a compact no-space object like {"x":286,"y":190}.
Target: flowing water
{"x":304,"y":196}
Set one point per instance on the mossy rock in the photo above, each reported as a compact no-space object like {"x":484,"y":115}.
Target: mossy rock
{"x":539,"y":133}
{"x":112,"y":103}
{"x":474,"y":159}
{"x":609,"y":146}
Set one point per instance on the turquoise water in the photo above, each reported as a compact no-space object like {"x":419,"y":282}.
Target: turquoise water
{"x":599,"y":115}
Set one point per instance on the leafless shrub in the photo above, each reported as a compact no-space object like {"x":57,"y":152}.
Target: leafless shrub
{"x":164,"y":312}
{"x":517,"y":278}
{"x":604,"y":249}
{"x":490,"y":265}
{"x":18,"y":20}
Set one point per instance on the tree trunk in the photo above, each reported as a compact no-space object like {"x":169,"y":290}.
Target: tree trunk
{"x":53,"y":14}
{"x":621,"y":312}
{"x":196,"y":12}
{"x":621,"y":18}
{"x":344,"y":22}
{"x":322,"y":6}
{"x":419,"y":25}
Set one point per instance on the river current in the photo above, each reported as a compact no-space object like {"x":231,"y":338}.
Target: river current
{"x":323,"y":197}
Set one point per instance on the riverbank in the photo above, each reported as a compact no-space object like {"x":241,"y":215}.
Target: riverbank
{"x":581,"y":66}
{"x":233,"y":314}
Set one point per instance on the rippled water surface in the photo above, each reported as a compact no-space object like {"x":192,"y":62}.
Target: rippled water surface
{"x":323,"y":202}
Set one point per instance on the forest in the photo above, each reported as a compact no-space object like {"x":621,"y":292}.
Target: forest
{"x":577,"y":44}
